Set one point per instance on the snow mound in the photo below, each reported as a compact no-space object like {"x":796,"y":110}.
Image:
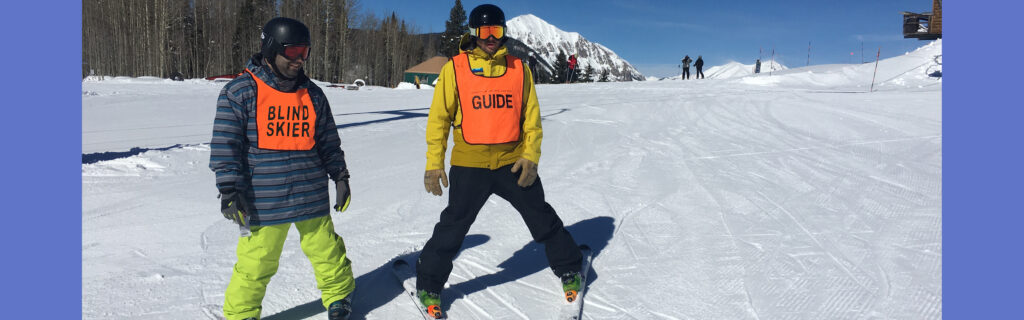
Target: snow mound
{"x":735,"y":69}
{"x":917,"y":69}
{"x":407,"y":86}
{"x":132,"y":166}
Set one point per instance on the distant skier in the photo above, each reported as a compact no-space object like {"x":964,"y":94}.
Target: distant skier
{"x":699,"y":64}
{"x":494,"y":116}
{"x":757,"y":66}
{"x":274,"y":146}
{"x":686,"y":67}
{"x":572,"y":69}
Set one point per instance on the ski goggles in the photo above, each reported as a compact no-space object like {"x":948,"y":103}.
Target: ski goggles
{"x":294,"y":52}
{"x":484,"y":32}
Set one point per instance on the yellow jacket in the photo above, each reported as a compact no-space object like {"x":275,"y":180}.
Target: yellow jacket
{"x":444,"y":115}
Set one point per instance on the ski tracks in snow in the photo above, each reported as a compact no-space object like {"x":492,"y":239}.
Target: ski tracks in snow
{"x":721,"y":201}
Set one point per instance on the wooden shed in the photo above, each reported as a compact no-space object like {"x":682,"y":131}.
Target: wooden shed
{"x":924,"y":26}
{"x":426,"y":72}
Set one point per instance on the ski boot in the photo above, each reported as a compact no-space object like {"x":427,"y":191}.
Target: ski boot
{"x":571,"y":283}
{"x":341,"y":309}
{"x":431,"y":302}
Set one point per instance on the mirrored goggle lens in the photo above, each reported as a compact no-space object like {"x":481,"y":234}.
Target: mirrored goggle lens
{"x":295,"y":52}
{"x":485,"y":32}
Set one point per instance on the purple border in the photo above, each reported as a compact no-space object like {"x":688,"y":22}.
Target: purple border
{"x":983,"y":213}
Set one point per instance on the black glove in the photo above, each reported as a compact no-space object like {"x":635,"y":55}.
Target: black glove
{"x":236,"y":208}
{"x":344,"y":195}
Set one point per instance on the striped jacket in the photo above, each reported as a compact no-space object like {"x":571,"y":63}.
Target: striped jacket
{"x":284,"y":186}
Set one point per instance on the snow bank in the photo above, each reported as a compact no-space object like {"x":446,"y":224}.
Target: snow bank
{"x":407,"y":86}
{"x":917,"y":69}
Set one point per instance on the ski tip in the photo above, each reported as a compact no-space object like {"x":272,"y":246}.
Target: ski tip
{"x":435,"y":311}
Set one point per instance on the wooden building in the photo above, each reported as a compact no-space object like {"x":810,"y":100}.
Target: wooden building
{"x":924,"y":26}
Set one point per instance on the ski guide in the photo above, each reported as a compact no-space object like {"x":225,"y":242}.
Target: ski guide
{"x":489,"y":97}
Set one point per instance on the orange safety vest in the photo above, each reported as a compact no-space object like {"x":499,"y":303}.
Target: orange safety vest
{"x":492,"y":107}
{"x":284,"y":121}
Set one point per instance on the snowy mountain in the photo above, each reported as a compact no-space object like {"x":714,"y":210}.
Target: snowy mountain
{"x":545,"y":40}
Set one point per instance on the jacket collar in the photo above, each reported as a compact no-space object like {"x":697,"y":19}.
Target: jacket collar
{"x":481,"y":54}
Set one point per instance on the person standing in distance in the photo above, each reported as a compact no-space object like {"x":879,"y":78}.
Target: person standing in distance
{"x":274,"y":147}
{"x":686,"y":67}
{"x":572,"y":69}
{"x":488,"y":97}
{"x":699,"y":64}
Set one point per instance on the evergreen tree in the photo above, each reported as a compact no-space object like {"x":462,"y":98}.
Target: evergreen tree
{"x":252,"y":14}
{"x":454,"y":28}
{"x":244,"y":32}
{"x":604,"y":76}
{"x":561,"y":67}
{"x":588,"y":74}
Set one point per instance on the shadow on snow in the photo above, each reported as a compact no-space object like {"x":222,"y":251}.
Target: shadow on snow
{"x":403,"y":114}
{"x":378,"y":287}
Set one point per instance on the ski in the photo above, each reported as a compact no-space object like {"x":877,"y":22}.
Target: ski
{"x":407,"y":277}
{"x":574,"y":310}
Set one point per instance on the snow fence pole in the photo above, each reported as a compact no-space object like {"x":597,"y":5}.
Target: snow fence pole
{"x":808,"y":53}
{"x":876,"y":70}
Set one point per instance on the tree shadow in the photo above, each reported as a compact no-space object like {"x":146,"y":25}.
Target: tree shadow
{"x":373,"y":289}
{"x":595,"y":232}
{"x":88,"y":158}
{"x":401,"y":114}
{"x":398,"y":115}
{"x":560,"y":111}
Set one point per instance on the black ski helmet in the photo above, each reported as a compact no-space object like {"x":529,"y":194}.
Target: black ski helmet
{"x":279,"y":32}
{"x":486,"y":15}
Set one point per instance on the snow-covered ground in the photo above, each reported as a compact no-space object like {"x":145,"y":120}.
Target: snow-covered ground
{"x":794,"y":196}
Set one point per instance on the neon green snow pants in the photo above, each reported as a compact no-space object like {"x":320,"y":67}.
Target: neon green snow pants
{"x":258,"y":256}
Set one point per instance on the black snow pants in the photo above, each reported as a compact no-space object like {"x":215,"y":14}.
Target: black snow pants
{"x":700,"y":73}
{"x":470,"y":188}
{"x":686,"y":73}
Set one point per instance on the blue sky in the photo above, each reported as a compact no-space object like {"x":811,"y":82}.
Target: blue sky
{"x":654,"y":35}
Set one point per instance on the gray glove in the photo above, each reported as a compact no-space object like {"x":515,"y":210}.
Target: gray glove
{"x":529,"y":174}
{"x":431,"y":178}
{"x":236,"y":208}
{"x":344,"y":195}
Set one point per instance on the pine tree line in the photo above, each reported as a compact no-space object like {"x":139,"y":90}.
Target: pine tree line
{"x":582,"y":73}
{"x":201,"y":38}
{"x":454,"y":28}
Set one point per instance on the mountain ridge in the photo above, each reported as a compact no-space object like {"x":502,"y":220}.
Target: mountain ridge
{"x":535,"y":37}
